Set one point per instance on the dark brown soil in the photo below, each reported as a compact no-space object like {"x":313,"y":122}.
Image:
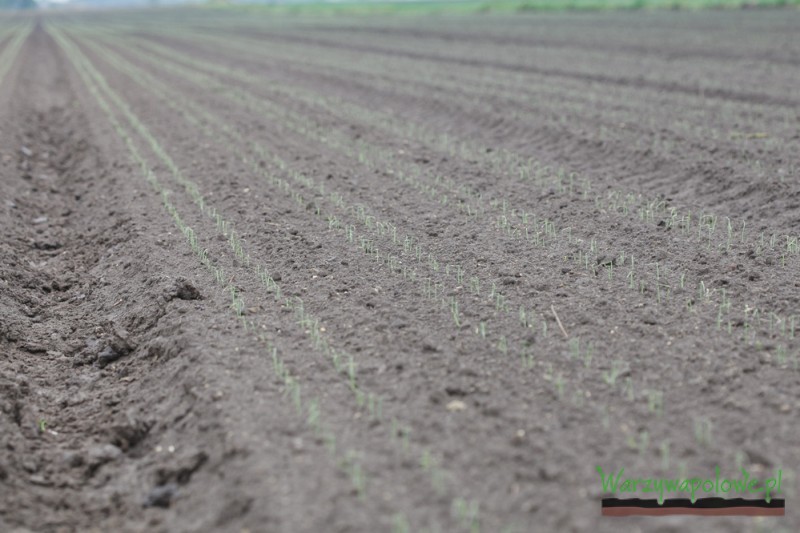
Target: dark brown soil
{"x":389,"y":274}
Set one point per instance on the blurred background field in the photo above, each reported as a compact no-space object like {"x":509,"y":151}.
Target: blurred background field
{"x":412,"y":7}
{"x":484,"y":6}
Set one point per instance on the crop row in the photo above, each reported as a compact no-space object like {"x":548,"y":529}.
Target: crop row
{"x":660,"y":279}
{"x":654,"y":401}
{"x":583,"y":64}
{"x":300,"y":202}
{"x":610,"y":374}
{"x":465,"y":510}
{"x":292,"y":384}
{"x":549,"y":105}
{"x":656,"y":211}
{"x":9,"y":53}
{"x":501,"y":343}
{"x":541,"y":106}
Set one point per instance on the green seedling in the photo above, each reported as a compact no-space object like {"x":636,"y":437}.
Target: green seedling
{"x":454,"y":311}
{"x":664,"y":448}
{"x":655,"y":402}
{"x":627,"y":388}
{"x":400,"y":524}
{"x":605,"y":417}
{"x":559,"y":383}
{"x":702,"y":431}
{"x":502,"y":345}
{"x":610,"y":376}
{"x":313,"y":415}
{"x":351,"y":372}
{"x":639,"y":442}
{"x":467,"y":514}
{"x":577,"y":398}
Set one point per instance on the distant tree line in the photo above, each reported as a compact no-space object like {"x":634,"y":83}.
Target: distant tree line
{"x":17,"y":4}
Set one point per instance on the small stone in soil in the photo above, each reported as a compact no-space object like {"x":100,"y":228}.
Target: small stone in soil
{"x":108,"y":355}
{"x":186,"y":291}
{"x":73,"y":459}
{"x":102,"y":454}
{"x":429,"y":347}
{"x":52,"y":245}
{"x":36,"y":479}
{"x":456,"y":405}
{"x":32,"y":347}
{"x":161,"y":496}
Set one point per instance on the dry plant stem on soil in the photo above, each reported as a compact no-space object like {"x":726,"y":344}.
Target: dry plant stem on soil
{"x":558,"y":320}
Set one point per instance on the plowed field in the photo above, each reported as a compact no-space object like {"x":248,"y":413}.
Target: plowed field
{"x":274,"y":273}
